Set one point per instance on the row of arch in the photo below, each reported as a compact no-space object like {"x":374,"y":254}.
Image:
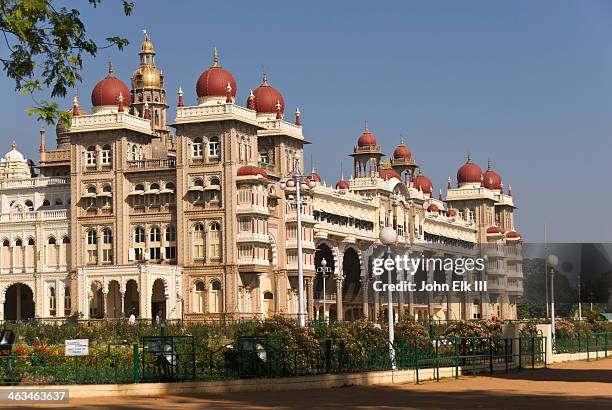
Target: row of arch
{"x":31,"y":242}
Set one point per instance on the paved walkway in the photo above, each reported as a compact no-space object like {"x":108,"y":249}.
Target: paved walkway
{"x":575,"y":385}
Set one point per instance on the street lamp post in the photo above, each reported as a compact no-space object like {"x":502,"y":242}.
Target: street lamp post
{"x":294,"y":180}
{"x":388,"y":237}
{"x":324,"y":269}
{"x":579,"y":297}
{"x":552,"y":261}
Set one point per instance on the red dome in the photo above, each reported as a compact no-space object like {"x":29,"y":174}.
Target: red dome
{"x":432,"y":208}
{"x":423,"y":183}
{"x":251,"y":170}
{"x":213,"y":81}
{"x":401,"y":152}
{"x":314,"y":176}
{"x":366,"y":139}
{"x":491,"y":179}
{"x":451,"y":213}
{"x":107,"y":90}
{"x":342,"y":184}
{"x":493,"y":229}
{"x":469,"y":172}
{"x":388,"y":173}
{"x":266,"y":98}
{"x":513,"y":235}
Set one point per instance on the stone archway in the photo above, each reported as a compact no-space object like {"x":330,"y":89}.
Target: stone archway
{"x":131,"y":299}
{"x":351,"y":288}
{"x":96,"y":300}
{"x":113,"y":300}
{"x":19,"y":302}
{"x":158,"y":299}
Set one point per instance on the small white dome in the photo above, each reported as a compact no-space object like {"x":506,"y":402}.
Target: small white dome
{"x":13,"y":155}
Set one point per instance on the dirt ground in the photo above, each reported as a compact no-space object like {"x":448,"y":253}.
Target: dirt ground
{"x":575,"y":385}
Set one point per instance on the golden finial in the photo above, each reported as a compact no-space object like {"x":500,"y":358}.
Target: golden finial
{"x":180,"y":91}
{"x":146,"y":35}
{"x":489,"y":165}
{"x":469,"y":158}
{"x":110,"y":68}
{"x":215,"y":57}
{"x":365,"y":126}
{"x":264,"y":80}
{"x":401,"y":139}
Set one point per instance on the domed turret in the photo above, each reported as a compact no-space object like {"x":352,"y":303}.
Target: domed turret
{"x":491,"y":179}
{"x":342,"y":184}
{"x":423,"y":183}
{"x":267,"y":99}
{"x":469,"y":172}
{"x":147,"y":75}
{"x":105,"y":94}
{"x":213,"y":81}
{"x":252,"y":171}
{"x":366,"y":138}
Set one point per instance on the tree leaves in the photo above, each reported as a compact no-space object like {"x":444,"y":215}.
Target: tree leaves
{"x":43,"y":49}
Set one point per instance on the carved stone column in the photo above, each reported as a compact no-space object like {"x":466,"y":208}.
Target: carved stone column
{"x":339,"y":307}
{"x":310,"y":298}
{"x":277,"y":293}
{"x":366,"y":306}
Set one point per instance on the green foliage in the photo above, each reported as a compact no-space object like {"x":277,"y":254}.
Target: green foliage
{"x":44,"y":48}
{"x":470,"y":328}
{"x":593,"y":316}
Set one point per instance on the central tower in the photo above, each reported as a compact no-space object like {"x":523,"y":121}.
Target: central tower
{"x":148,"y":93}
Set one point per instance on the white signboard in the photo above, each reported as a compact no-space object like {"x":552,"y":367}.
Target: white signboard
{"x":76,"y":347}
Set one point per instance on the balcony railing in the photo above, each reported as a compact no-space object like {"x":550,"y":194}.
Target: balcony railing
{"x":152,"y":163}
{"x":54,"y":214}
{"x":34,"y":182}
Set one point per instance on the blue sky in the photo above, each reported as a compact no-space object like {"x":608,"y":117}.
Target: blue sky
{"x":527,"y":84}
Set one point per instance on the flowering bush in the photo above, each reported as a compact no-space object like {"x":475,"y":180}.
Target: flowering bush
{"x":480,"y":328}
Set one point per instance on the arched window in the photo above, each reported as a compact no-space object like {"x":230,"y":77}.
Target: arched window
{"x":198,"y":241}
{"x":91,"y":190}
{"x":216,"y":298}
{"x":134,"y":152}
{"x":67,"y":301}
{"x":214,"y":181}
{"x":92,"y":237}
{"x":92,"y":247}
{"x":199,"y":297}
{"x":197,"y":148}
{"x":46,"y":203}
{"x":139,"y":187}
{"x":154,"y":235}
{"x":66,"y":240}
{"x":90,"y":158}
{"x":52,"y":302}
{"x":139,"y":235}
{"x":107,"y":245}
{"x":139,"y":243}
{"x":198,"y":182}
{"x":6,"y":243}
{"x":52,"y":252}
{"x":170,"y":233}
{"x":18,"y":242}
{"x":214,"y":240}
{"x":52,"y":241}
{"x":107,"y":188}
{"x":31,"y":242}
{"x":59,"y":202}
{"x":170,"y":236}
{"x":213,"y":147}
{"x":154,"y":243}
{"x":154,"y":186}
{"x":268,"y":296}
{"x":107,"y":155}
{"x":29,"y":204}
{"x":170,"y":185}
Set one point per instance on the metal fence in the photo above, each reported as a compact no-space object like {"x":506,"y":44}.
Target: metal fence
{"x":175,"y":358}
{"x":593,"y":344}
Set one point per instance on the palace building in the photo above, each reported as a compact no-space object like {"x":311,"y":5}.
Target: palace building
{"x":131,"y":214}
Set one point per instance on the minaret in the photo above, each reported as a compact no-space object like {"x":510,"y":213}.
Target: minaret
{"x":148,"y":87}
